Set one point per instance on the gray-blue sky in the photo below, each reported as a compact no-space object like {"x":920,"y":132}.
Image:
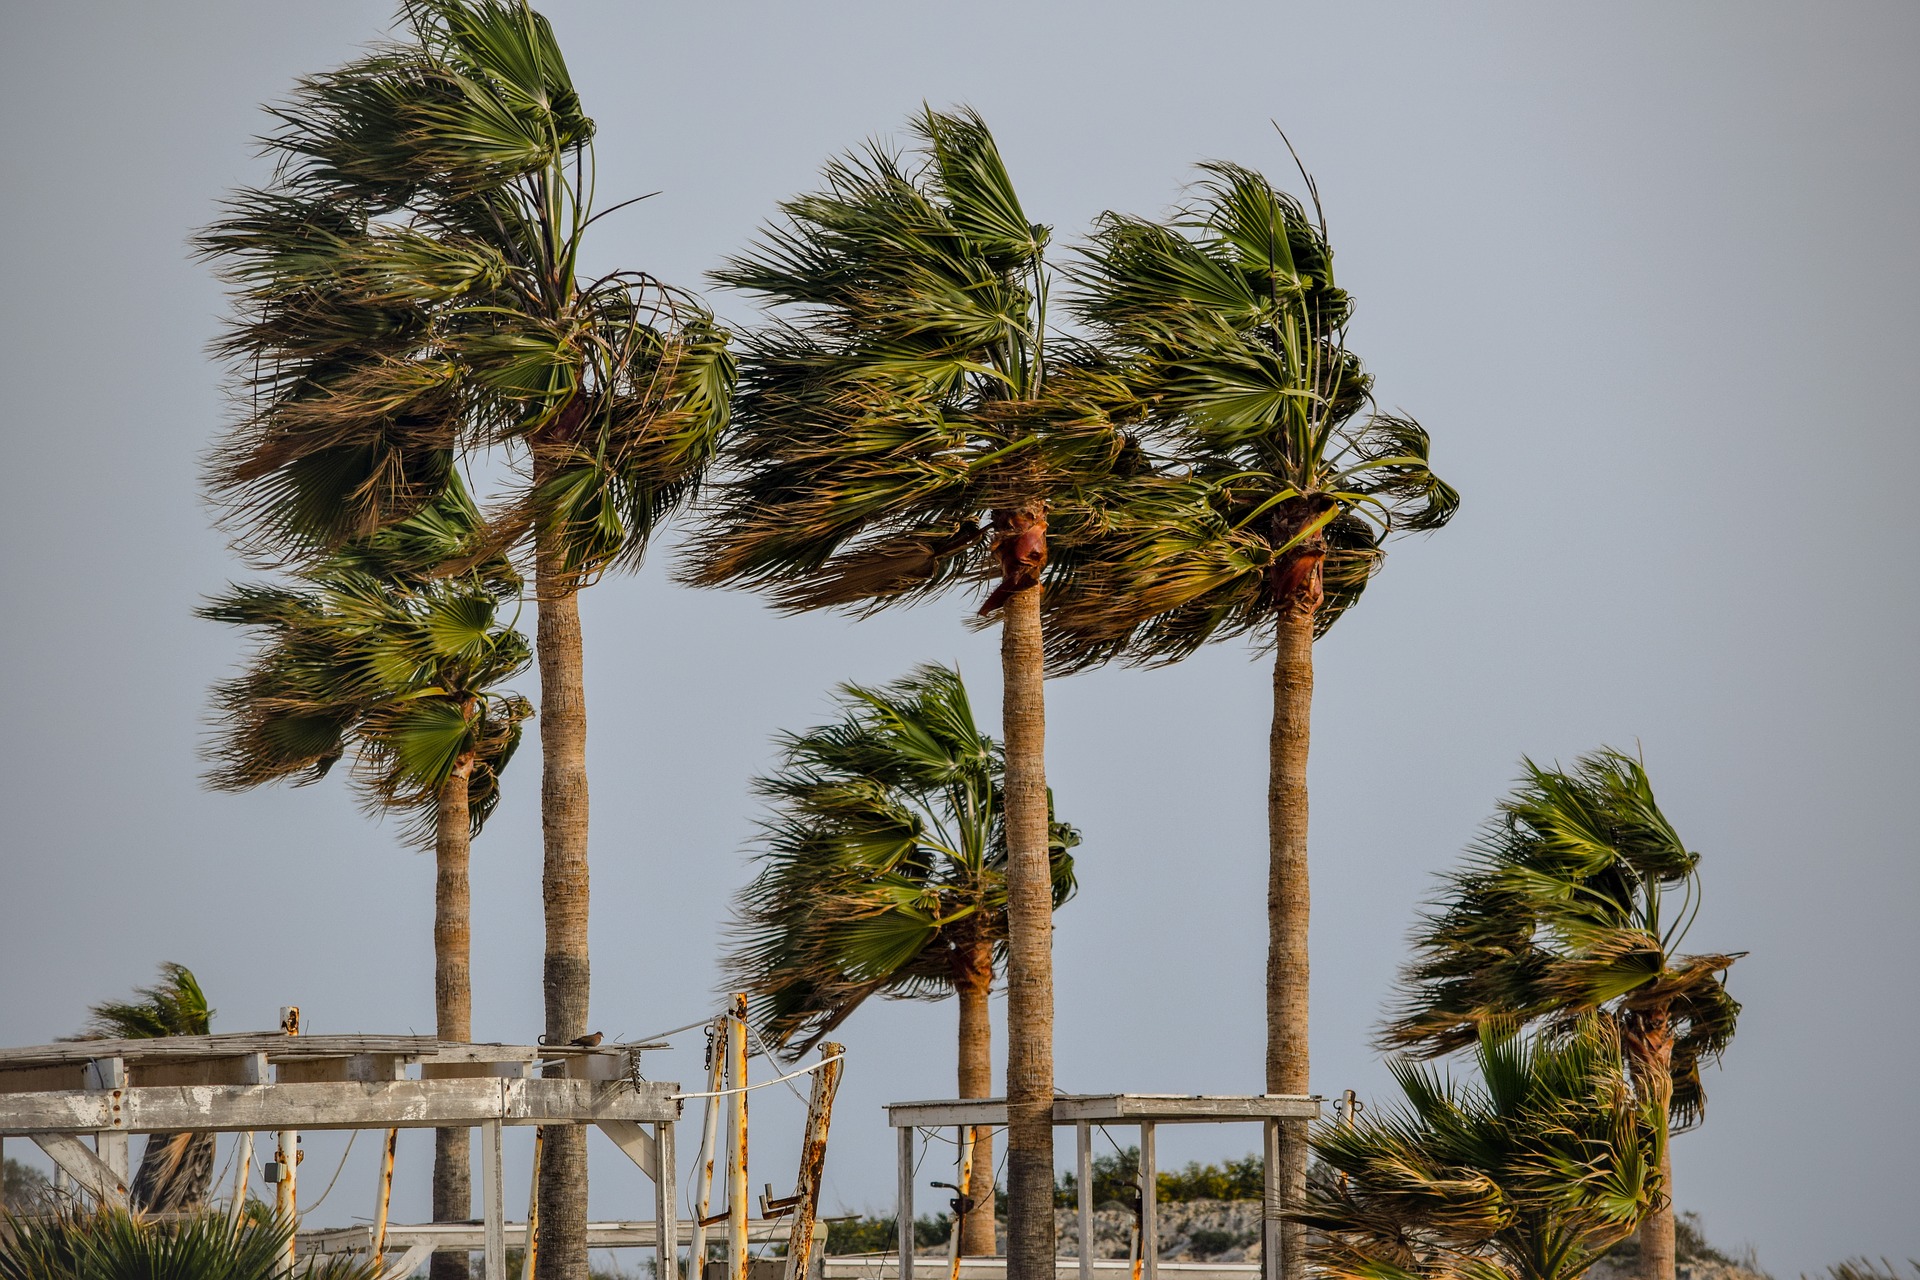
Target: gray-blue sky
{"x":1647,"y":272}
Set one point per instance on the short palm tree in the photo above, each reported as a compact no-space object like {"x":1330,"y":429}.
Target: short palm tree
{"x":109,"y":1244}
{"x":1273,"y":492}
{"x":176,"y":1169}
{"x":1530,"y":1173}
{"x":410,"y":294}
{"x":884,"y":872}
{"x":900,"y":406}
{"x":1574,"y":903}
{"x":370,"y":652}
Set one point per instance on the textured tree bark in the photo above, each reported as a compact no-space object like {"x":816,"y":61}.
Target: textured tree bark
{"x":1649,"y":1046}
{"x":562,"y":1250}
{"x":1288,"y":905}
{"x":452,"y":1000}
{"x":1030,"y":1240}
{"x":974,"y":984}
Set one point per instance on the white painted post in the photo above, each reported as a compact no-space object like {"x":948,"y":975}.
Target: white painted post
{"x":494,"y":1197}
{"x":242,"y":1175}
{"x":903,"y":1203}
{"x":110,"y":1075}
{"x":709,"y":1132}
{"x":1083,"y":1175}
{"x":667,"y":1250}
{"x":1149,"y":1204}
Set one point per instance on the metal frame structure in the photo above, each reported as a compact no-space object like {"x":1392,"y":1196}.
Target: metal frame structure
{"x":283,"y":1083}
{"x":1083,"y":1112}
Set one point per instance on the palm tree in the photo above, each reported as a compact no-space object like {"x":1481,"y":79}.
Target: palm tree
{"x":1531,"y":1173}
{"x":371,"y":653}
{"x":901,"y":405}
{"x":884,"y":872}
{"x":410,"y":295}
{"x":176,"y":1169}
{"x":83,"y":1244}
{"x":1273,"y":490}
{"x":1574,"y":903}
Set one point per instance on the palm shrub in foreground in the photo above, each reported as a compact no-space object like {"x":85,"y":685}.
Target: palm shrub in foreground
{"x":1274,"y":490}
{"x":112,"y":1244}
{"x":1574,"y":904}
{"x":176,"y":1169}
{"x":884,"y":872}
{"x":377,"y":652}
{"x":409,"y":297}
{"x":902,"y":403}
{"x":1530,"y":1172}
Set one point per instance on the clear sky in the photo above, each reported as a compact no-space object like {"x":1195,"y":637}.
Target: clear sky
{"x":1646,"y":271}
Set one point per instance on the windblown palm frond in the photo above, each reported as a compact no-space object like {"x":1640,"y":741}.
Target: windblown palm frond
{"x":1575,"y":901}
{"x":107,"y":1244}
{"x":1223,"y":341}
{"x":883,"y":868}
{"x":905,"y":390}
{"x":407,"y":292}
{"x":371,"y":652}
{"x":1530,"y":1173}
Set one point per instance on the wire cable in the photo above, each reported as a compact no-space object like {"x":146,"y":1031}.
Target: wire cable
{"x":336,"y":1172}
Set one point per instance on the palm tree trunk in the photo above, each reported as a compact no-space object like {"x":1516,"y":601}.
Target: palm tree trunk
{"x":973,"y":984}
{"x":452,"y":1000}
{"x":1649,"y":1046}
{"x":562,"y":1251}
{"x":1030,"y":1240}
{"x":1288,"y":904}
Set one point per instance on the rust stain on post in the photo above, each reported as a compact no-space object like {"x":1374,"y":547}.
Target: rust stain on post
{"x":386,"y":1196}
{"x":737,"y":1257}
{"x":813,"y":1161}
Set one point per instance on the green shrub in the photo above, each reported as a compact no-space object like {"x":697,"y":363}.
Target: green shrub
{"x":112,"y":1244}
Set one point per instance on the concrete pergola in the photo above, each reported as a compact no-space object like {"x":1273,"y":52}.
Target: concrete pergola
{"x":1083,"y":1112}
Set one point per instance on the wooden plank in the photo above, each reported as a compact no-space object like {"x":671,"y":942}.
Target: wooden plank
{"x":410,"y":1261}
{"x":84,"y":1167}
{"x":636,"y":1233}
{"x":1149,"y":1203}
{"x":276,"y":1044}
{"x":474,"y":1069}
{"x":1162,"y":1108}
{"x":356,"y":1067}
{"x":636,"y":1142}
{"x":493,"y":1203}
{"x":666,"y":1245}
{"x":239,"y":1068}
{"x":401,"y":1104}
{"x":903,"y":1200}
{"x":55,"y":1076}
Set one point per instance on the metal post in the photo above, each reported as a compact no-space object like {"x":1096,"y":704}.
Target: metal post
{"x":963,"y":1182}
{"x":1149,"y":1204}
{"x":709,"y":1133}
{"x":667,"y":1246}
{"x":494,"y":1199}
{"x":1271,"y":1245}
{"x":1083,"y":1175}
{"x":737,"y":1202}
{"x":533,"y":1207}
{"x":242,"y":1175}
{"x":813,"y":1162}
{"x":286,"y":1154}
{"x":903,"y":1203}
{"x":384,"y":1199}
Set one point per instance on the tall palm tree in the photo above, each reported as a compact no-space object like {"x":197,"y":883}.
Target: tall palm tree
{"x":369,"y":652}
{"x":410,"y":293}
{"x":1574,"y":903}
{"x":900,"y":406}
{"x":1530,"y":1173}
{"x":884,"y":871}
{"x":176,"y":1169}
{"x":1273,"y":491}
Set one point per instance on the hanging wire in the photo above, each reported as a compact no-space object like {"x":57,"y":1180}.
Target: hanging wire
{"x":760,"y":1084}
{"x":336,"y":1172}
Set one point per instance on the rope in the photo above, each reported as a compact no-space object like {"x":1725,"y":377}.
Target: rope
{"x":759,"y":1084}
{"x":766,"y":1051}
{"x":336,"y":1173}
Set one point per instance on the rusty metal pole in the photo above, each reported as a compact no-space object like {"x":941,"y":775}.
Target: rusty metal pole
{"x":286,"y":1197}
{"x":242,"y":1175}
{"x":533,"y":1207}
{"x":737,"y":1122}
{"x":963,"y":1181}
{"x":709,"y":1133}
{"x":813,"y":1161}
{"x":385,"y":1199}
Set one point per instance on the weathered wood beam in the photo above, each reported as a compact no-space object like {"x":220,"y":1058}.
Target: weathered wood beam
{"x":636,"y":1142}
{"x":392,"y":1104}
{"x":84,"y":1167}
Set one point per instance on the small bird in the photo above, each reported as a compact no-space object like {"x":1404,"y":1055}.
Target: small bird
{"x":586,"y":1041}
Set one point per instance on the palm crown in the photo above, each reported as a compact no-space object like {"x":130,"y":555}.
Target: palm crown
{"x":369,"y":652}
{"x":1225,"y":336}
{"x":1530,"y":1173}
{"x":906,"y":390}
{"x":884,"y":866}
{"x":1575,"y":900}
{"x":408,"y":291}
